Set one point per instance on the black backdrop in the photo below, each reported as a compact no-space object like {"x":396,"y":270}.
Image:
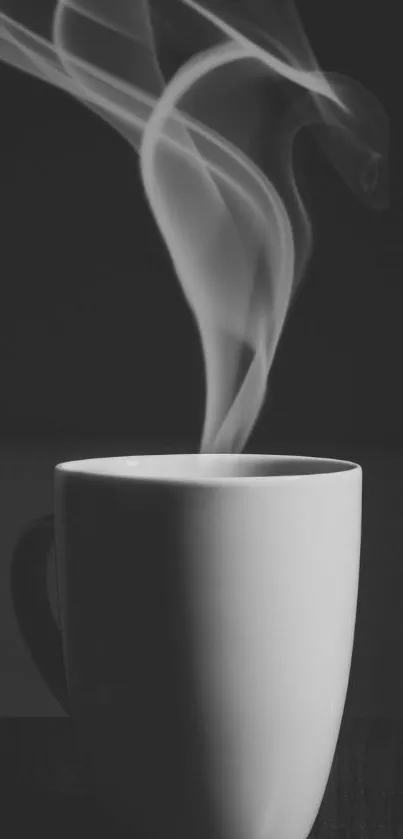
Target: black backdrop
{"x":96,"y":338}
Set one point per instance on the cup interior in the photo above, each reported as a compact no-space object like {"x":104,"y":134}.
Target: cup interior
{"x":208,"y":466}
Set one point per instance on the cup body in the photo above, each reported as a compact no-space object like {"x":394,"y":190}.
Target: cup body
{"x":208,"y":608}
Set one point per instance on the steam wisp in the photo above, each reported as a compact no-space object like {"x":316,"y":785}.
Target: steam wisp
{"x":215,"y":155}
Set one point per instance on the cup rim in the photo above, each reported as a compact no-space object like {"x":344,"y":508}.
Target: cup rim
{"x":100,"y":467}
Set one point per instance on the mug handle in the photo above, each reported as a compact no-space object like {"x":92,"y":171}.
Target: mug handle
{"x":29,"y":596}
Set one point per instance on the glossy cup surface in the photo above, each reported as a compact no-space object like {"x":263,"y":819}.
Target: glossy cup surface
{"x":208,"y":607}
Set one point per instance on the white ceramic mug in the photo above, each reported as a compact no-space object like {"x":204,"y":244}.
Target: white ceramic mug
{"x":207,"y":610}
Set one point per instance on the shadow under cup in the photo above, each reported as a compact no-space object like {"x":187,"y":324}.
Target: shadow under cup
{"x":207,"y":607}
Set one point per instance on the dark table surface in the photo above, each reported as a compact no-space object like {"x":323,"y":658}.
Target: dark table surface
{"x":43,"y":792}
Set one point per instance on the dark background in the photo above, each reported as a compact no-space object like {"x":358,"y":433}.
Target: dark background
{"x":99,"y":352}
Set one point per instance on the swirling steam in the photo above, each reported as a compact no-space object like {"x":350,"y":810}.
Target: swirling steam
{"x":215,"y":139}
